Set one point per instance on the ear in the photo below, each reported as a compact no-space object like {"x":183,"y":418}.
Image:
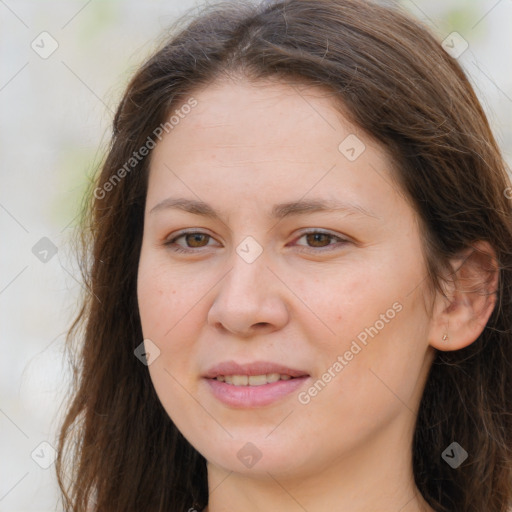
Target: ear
{"x":459,"y":317}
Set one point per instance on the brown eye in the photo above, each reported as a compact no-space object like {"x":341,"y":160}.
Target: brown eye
{"x":187,"y":242}
{"x":196,"y":239}
{"x":318,"y":239}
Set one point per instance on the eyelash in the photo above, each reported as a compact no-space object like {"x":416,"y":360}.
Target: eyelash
{"x":177,"y":248}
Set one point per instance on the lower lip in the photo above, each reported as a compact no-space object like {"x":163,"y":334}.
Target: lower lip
{"x":254,"y":396}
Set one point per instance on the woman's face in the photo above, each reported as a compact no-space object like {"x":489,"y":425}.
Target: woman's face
{"x":276,"y":246}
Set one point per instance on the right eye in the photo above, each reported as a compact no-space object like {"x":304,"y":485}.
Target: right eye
{"x":193,"y":240}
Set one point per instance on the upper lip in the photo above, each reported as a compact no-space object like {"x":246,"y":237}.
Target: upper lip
{"x":254,"y":368}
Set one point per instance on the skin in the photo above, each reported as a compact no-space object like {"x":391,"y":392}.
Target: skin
{"x":244,"y":148}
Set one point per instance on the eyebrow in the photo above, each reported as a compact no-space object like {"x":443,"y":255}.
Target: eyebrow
{"x":279,"y":211}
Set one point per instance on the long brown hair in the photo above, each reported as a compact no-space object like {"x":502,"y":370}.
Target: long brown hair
{"x":118,"y":448}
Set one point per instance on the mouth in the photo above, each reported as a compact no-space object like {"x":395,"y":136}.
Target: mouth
{"x":253,"y":385}
{"x":253,"y":380}
{"x":260,"y":369}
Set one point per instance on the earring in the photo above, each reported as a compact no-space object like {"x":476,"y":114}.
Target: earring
{"x":445,"y":337}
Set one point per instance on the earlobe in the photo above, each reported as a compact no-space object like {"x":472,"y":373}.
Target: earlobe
{"x":461,"y":315}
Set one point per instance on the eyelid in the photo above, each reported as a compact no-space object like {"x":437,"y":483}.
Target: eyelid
{"x":307,"y":231}
{"x":188,"y":231}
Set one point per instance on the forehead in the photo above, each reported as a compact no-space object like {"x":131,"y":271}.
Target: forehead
{"x":265,"y":113}
{"x":267,"y":139}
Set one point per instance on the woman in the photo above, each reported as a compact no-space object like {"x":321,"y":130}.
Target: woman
{"x":300,"y":276}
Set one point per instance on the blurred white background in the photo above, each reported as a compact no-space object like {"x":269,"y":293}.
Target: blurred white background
{"x":56,"y":114}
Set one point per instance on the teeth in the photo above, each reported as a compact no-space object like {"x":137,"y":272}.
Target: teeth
{"x":253,"y":380}
{"x":238,"y":380}
{"x":257,"y":380}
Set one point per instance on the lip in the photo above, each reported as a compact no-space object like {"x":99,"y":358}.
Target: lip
{"x":254,"y":368}
{"x":253,"y":396}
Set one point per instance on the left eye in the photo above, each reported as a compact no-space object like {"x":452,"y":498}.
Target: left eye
{"x":320,"y":239}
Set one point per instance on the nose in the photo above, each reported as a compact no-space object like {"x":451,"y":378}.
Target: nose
{"x":250,"y":300}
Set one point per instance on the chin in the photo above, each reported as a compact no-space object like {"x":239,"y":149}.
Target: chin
{"x":256,"y":456}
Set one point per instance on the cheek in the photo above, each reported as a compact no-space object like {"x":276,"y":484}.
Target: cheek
{"x":337,"y":305}
{"x":172,"y":311}
{"x":168,"y":320}
{"x":377,"y":359}
{"x":373,"y":316}
{"x":162,"y":298}
{"x":153,"y":300}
